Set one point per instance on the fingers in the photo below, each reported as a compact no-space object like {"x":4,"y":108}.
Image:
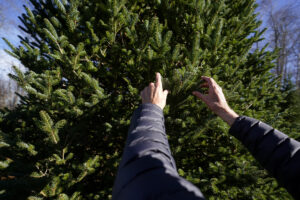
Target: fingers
{"x":148,"y":93}
{"x":204,"y":85}
{"x":208,"y":80}
{"x":154,"y":93}
{"x":200,"y":95}
{"x":158,"y":82}
{"x":212,"y":84}
{"x":166,"y":92}
{"x":151,"y":89}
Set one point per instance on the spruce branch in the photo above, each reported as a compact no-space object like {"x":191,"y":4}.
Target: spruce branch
{"x":60,"y":6}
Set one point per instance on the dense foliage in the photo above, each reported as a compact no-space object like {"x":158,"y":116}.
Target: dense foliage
{"x":87,"y":61}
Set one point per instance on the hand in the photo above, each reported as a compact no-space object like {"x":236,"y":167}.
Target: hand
{"x":216,"y":100}
{"x":154,"y":93}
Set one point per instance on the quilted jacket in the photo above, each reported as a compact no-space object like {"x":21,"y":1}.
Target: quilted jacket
{"x":148,"y":171}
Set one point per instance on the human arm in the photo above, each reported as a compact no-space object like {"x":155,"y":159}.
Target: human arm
{"x":276,"y":152}
{"x":147,"y":169}
{"x":216,"y":101}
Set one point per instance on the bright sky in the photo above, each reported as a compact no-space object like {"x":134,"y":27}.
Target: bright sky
{"x":13,"y":8}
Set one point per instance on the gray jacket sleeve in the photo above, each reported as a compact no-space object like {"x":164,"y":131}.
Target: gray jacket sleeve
{"x":275,"y":151}
{"x":147,"y":169}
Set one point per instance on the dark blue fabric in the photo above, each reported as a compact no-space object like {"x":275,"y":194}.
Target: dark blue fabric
{"x":276,"y":152}
{"x":147,"y":170}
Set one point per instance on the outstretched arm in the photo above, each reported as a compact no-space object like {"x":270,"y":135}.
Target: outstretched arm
{"x":147,"y":169}
{"x":275,"y":151}
{"x":216,"y":100}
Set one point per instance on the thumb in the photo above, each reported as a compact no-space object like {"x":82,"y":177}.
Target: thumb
{"x":199,"y":95}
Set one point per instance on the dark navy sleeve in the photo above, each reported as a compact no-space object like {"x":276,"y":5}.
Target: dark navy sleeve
{"x":147,"y":169}
{"x":275,"y":151}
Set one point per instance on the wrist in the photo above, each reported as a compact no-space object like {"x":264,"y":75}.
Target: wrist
{"x":228,"y":115}
{"x":151,"y":105}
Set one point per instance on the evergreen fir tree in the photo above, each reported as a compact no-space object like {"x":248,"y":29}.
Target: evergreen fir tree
{"x":290,"y":110}
{"x":87,"y":61}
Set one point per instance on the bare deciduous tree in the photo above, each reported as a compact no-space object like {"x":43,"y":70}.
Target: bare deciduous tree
{"x":284,"y":34}
{"x":8,"y":98}
{"x":1,"y":16}
{"x":296,"y":51}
